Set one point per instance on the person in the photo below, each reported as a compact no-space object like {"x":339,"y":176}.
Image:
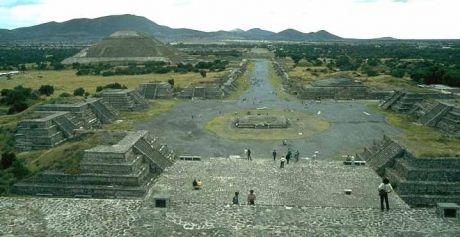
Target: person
{"x":274,"y":154}
{"x":199,"y":184}
{"x":282,"y":162}
{"x":288,"y":156}
{"x":384,"y":189}
{"x":249,"y":154}
{"x":297,"y":156}
{"x":194,"y":183}
{"x":236,"y":198}
{"x":251,"y":197}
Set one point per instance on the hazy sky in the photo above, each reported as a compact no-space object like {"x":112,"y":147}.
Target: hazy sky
{"x":419,"y":19}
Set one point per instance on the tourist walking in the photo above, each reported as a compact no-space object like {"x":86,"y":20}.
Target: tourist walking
{"x":384,"y":189}
{"x":248,"y":152}
{"x":288,"y":156}
{"x":282,"y":162}
{"x":236,"y":198}
{"x":251,"y":197}
{"x":274,"y":154}
{"x":297,"y":156}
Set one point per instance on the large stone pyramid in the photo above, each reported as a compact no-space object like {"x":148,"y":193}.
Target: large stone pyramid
{"x":129,"y":46}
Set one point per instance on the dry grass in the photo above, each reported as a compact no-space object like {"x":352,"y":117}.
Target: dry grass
{"x":422,"y":140}
{"x":67,"y":81}
{"x":128,"y":119}
{"x":302,"y":126}
{"x":387,"y":82}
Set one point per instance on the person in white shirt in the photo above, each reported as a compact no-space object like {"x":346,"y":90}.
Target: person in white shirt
{"x":384,"y":189}
{"x":282,"y":162}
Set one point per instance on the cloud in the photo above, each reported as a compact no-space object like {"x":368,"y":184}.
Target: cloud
{"x":371,"y":1}
{"x":15,"y":3}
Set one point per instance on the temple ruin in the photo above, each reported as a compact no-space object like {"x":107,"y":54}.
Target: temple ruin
{"x":125,"y":99}
{"x":261,"y":121}
{"x":156,"y":90}
{"x":419,"y":181}
{"x":122,"y":170}
{"x":53,"y":124}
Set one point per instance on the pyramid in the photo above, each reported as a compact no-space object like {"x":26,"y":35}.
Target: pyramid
{"x":127,"y":46}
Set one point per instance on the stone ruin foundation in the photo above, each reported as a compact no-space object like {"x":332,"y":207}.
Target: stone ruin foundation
{"x":125,"y":99}
{"x":419,"y":181}
{"x":428,"y":108}
{"x":156,"y":90}
{"x":56,"y":123}
{"x":261,"y":121}
{"x":218,"y":89}
{"x":339,"y":89}
{"x":122,"y":170}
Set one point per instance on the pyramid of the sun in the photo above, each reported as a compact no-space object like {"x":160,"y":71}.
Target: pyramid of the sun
{"x":127,"y":46}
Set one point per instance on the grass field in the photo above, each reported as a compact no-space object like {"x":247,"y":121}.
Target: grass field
{"x":302,"y":125}
{"x":422,"y":140}
{"x":67,"y":81}
{"x":126,"y":120}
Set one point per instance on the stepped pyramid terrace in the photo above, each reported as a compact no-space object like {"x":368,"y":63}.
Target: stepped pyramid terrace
{"x":127,"y":46}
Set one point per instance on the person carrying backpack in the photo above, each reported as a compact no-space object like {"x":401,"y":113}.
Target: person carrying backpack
{"x":384,"y":188}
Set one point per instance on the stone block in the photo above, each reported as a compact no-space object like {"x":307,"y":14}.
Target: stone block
{"x":162,"y":200}
{"x":449,"y":210}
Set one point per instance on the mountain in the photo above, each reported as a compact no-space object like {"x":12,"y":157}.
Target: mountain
{"x":91,"y":30}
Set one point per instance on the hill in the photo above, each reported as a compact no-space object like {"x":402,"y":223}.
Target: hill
{"x":92,"y":30}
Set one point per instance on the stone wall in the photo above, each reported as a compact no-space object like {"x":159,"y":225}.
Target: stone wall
{"x":419,"y":181}
{"x":123,"y":170}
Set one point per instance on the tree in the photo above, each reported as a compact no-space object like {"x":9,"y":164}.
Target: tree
{"x":79,"y":92}
{"x":203,"y":73}
{"x":171,"y":82}
{"x":46,"y":90}
{"x":296,"y":58}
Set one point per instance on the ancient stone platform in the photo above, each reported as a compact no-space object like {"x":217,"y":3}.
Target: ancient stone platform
{"x":304,"y":199}
{"x":125,"y":99}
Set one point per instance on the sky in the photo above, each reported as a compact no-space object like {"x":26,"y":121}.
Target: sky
{"x":404,"y":19}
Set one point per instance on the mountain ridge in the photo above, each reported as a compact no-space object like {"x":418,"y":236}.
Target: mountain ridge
{"x":86,"y":29}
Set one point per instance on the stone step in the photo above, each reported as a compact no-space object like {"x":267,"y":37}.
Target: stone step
{"x":426,"y":174}
{"x":428,"y":200}
{"x":76,"y":190}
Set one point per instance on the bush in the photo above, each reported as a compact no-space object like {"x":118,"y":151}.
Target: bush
{"x":79,"y":92}
{"x":7,"y":160}
{"x":65,"y":94}
{"x":111,"y":86}
{"x":17,"y":107}
{"x":46,"y":90}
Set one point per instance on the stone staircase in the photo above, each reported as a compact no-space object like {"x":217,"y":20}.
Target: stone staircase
{"x":65,"y":125}
{"x":434,"y":115}
{"x":381,"y":155}
{"x":105,"y":113}
{"x":156,"y":158}
{"x":387,"y":103}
